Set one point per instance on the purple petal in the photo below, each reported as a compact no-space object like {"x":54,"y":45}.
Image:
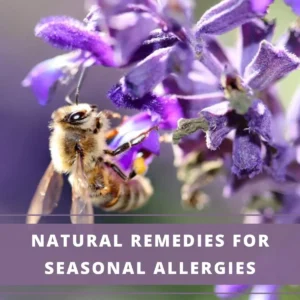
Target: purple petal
{"x":216,"y":121}
{"x":278,"y":157}
{"x":230,"y":291}
{"x":44,"y":76}
{"x":269,"y":65}
{"x":131,"y":30}
{"x":271,"y":99}
{"x":262,"y":292}
{"x":246,"y":156}
{"x":229,"y":14}
{"x":293,"y":119}
{"x":216,"y":49}
{"x":156,"y":40}
{"x":146,"y":75}
{"x":295,"y":5}
{"x":252,"y":34}
{"x":208,"y":59}
{"x":68,"y":33}
{"x":130,"y":129}
{"x":259,"y":120}
{"x":291,"y":41}
{"x":219,"y":118}
{"x":180,"y":63}
{"x":201,"y":81}
{"x":191,"y":105}
{"x":165,"y":106}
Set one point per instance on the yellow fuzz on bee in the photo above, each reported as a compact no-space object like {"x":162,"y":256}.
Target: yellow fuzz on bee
{"x":140,"y":166}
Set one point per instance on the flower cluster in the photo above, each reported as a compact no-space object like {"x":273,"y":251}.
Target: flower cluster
{"x":221,"y":104}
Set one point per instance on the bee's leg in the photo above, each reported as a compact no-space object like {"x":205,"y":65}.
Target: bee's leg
{"x":135,"y":141}
{"x":111,"y":134}
{"x":140,"y":166}
{"x":114,"y":131}
{"x":107,"y":189}
{"x":118,"y":171}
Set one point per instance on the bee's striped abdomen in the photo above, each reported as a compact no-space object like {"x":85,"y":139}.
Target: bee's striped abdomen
{"x":131,"y":195}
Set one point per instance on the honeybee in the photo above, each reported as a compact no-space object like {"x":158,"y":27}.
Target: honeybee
{"x":78,"y":147}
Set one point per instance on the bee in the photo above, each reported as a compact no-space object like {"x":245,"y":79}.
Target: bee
{"x":78,"y":147}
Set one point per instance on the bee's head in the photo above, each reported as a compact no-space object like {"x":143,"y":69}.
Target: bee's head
{"x":75,"y":115}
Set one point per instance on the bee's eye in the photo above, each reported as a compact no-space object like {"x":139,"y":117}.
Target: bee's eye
{"x":75,"y":117}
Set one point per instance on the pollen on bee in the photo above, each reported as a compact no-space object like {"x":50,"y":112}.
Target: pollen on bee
{"x":140,"y":166}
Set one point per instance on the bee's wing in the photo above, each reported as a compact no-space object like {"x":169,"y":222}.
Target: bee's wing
{"x":46,"y":196}
{"x":82,"y":208}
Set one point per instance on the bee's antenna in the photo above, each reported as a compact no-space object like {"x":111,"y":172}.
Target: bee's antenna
{"x":68,"y":98}
{"x":79,"y":84}
{"x":76,"y":88}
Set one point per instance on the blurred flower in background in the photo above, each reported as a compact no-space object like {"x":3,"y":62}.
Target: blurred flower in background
{"x":220,"y":103}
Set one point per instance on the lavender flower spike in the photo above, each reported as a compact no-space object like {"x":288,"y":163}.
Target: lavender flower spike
{"x":269,"y":65}
{"x":229,"y":14}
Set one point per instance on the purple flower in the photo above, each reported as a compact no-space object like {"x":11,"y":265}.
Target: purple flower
{"x":294,"y":4}
{"x":43,"y":78}
{"x":244,"y":111}
{"x":252,"y":34}
{"x":167,"y":107}
{"x":269,"y":65}
{"x":220,"y":119}
{"x":229,"y":14}
{"x":138,"y":81}
{"x":119,"y":43}
{"x":130,"y":129}
{"x":291,"y":40}
{"x":179,"y":62}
